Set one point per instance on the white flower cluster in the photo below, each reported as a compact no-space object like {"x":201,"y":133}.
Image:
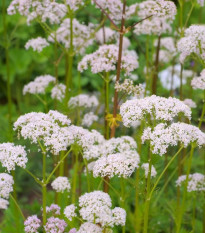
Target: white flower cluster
{"x":116,"y":156}
{"x":120,"y":164}
{"x":128,"y":87}
{"x":95,"y":207}
{"x":160,"y":108}
{"x":82,"y":35}
{"x":11,"y":155}
{"x":105,"y":60}
{"x":6,"y":185}
{"x":69,"y":212}
{"x":61,"y":184}
{"x":37,"y":44}
{"x":111,"y":146}
{"x":89,"y":227}
{"x":83,"y":100}
{"x":51,"y":128}
{"x":162,"y":136}
{"x":42,"y":10}
{"x":55,"y":225}
{"x":85,"y":138}
{"x":39,"y":85}
{"x":112,"y":7}
{"x":170,"y":77}
{"x":190,"y":103}
{"x":199,"y":82}
{"x":192,"y":43}
{"x":145,"y":166}
{"x":88,"y":119}
{"x":196,"y":182}
{"x":3,"y":204}
{"x":58,"y":92}
{"x":162,"y":12}
{"x":53,"y":209}
{"x":200,"y":2}
{"x":74,"y":4}
{"x":31,"y":224}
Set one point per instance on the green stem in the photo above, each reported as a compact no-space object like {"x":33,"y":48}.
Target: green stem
{"x":194,"y":213}
{"x":32,"y":175}
{"x":43,"y":102}
{"x":6,"y":46}
{"x":70,"y":59}
{"x":168,"y":164}
{"x":57,"y":166}
{"x":75,"y":175}
{"x":203,"y":113}
{"x":182,"y":208}
{"x":44,"y":191}
{"x":106,"y":78}
{"x":156,"y":183}
{"x":147,"y":200}
{"x":122,"y":184}
{"x":18,"y":207}
{"x":87,"y":174}
{"x":167,"y":182}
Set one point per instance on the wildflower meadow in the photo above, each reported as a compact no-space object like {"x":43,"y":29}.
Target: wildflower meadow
{"x":102,"y":116}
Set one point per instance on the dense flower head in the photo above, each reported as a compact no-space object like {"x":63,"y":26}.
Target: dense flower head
{"x":89,"y":227}
{"x":74,"y":4}
{"x":61,"y":184}
{"x":37,"y":44}
{"x":58,"y":92}
{"x":190,"y":103}
{"x":31,"y":224}
{"x":112,"y":7}
{"x":129,"y":88}
{"x":83,"y":101}
{"x":95,"y":207}
{"x":53,"y":209}
{"x":69,"y":212}
{"x":145,"y":166}
{"x":88,"y":119}
{"x":50,"y":128}
{"x":46,"y":10}
{"x":3,"y":204}
{"x":111,"y":146}
{"x":105,"y":60}
{"x":199,"y":82}
{"x":12,"y":155}
{"x":192,"y":43}
{"x":120,"y":164}
{"x":85,"y":138}
{"x":6,"y":185}
{"x":82,"y":35}
{"x":160,"y":108}
{"x":162,"y":12}
{"x":39,"y":85}
{"x":55,"y":225}
{"x":119,"y":216}
{"x":196,"y":182}
{"x":154,"y":25}
{"x":164,"y":136}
